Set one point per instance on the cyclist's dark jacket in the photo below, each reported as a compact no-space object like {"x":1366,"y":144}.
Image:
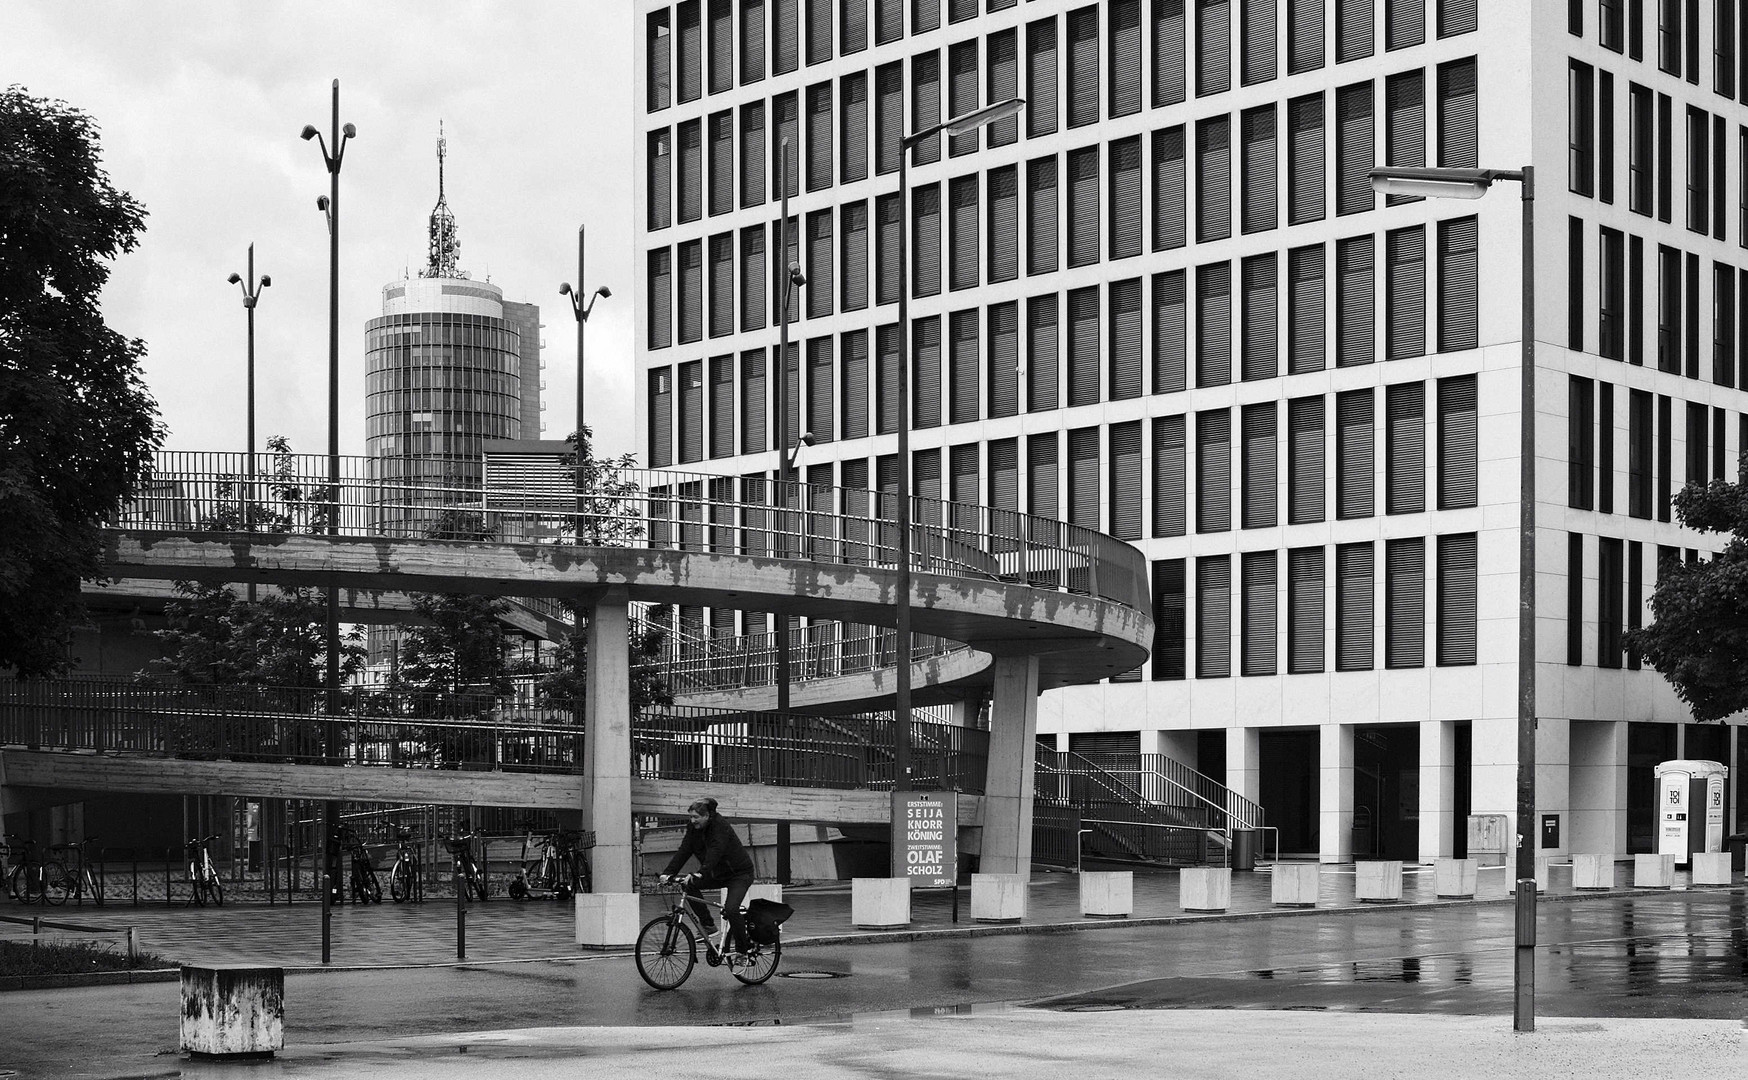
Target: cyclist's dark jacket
{"x":720,"y":853}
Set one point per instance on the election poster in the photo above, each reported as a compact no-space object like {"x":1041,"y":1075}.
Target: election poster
{"x":925,"y":827}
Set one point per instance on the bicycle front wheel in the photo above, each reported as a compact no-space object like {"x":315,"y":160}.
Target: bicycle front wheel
{"x":215,"y":891}
{"x":370,"y":887}
{"x":761,"y":966}
{"x":400,"y":883}
{"x":666,"y":952}
{"x":197,"y":886}
{"x":57,"y":886}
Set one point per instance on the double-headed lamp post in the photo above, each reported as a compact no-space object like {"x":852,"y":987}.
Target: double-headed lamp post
{"x":333,"y":154}
{"x":251,"y":295}
{"x":1472,"y":184}
{"x":959,"y":125}
{"x":581,"y":309}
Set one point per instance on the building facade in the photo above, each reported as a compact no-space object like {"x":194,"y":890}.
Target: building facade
{"x":1164,"y":301}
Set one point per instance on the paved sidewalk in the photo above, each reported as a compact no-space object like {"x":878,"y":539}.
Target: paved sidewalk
{"x":505,"y":930}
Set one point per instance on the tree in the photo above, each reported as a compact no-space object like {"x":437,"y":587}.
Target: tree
{"x":610,"y":512}
{"x":1698,"y":637}
{"x":564,"y":683}
{"x":77,"y":425}
{"x":217,"y":638}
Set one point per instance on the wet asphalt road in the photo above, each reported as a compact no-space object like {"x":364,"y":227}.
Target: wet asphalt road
{"x":1678,"y":955}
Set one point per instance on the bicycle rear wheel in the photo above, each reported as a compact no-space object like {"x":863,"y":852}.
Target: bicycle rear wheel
{"x":369,"y":887}
{"x":666,"y":952}
{"x":215,"y":891}
{"x":477,"y":882}
{"x":400,"y":883}
{"x":762,"y":965}
{"x":197,"y":886}
{"x":58,"y":885}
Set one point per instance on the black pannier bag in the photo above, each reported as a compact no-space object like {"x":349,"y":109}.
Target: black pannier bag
{"x":763,"y":919}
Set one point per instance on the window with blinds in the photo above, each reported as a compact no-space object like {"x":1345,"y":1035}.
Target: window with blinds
{"x":1004,"y":223}
{"x":753,"y":407}
{"x":1306,"y":175}
{"x":1459,"y":283}
{"x":1405,"y":292}
{"x":1213,"y":179}
{"x":1004,"y":490}
{"x":1041,"y":78}
{"x":1458,"y":443}
{"x":819,"y":136}
{"x":1214,"y":324}
{"x":1260,"y":631}
{"x":785,"y":36}
{"x":886,"y":237}
{"x":1083,"y":478}
{"x":1170,"y":189}
{"x":888,"y":21}
{"x":1405,"y":602}
{"x":886,"y":379}
{"x":1043,"y":351}
{"x":1214,"y":616}
{"x":1458,"y":581}
{"x":722,"y":285}
{"x":1083,"y":66}
{"x":1580,"y":443}
{"x":1257,"y":34}
{"x":1170,"y":332}
{"x":1125,"y":480}
{"x":1168,"y":55}
{"x":853,"y":363}
{"x":790,"y":413}
{"x":658,"y":61}
{"x":926,"y":486}
{"x":1170,"y":477}
{"x":820,"y":399}
{"x":925,"y":15}
{"x":1304,"y":36}
{"x":787,"y":234}
{"x":925,"y":372}
{"x":721,"y":164}
{"x":1125,"y":349}
{"x":1405,"y":23}
{"x":818,"y":29}
{"x":690,"y":138}
{"x":1355,"y":315}
{"x":786,"y":143}
{"x":1305,"y":607}
{"x":1306,"y":304}
{"x":1042,"y":216}
{"x":692,"y":411}
{"x":661,"y":417}
{"x":963,"y":361}
{"x":962,"y":92}
{"x":1405,"y":124}
{"x":853,"y":126}
{"x":888,"y":116}
{"x":1355,"y":453}
{"x":1170,"y":631}
{"x":1458,"y":138}
{"x":1305,"y":470}
{"x":925,"y":104}
{"x":691,"y":288}
{"x":1261,"y":466}
{"x":1353,"y":607}
{"x":1123,"y":86}
{"x":688,"y":49}
{"x":1125,"y":196}
{"x":752,"y":154}
{"x":658,"y":189}
{"x":853,"y":257}
{"x":1214,"y":471}
{"x":1355,"y":152}
{"x":661,"y":298}
{"x":1002,"y":65}
{"x":925,"y":241}
{"x":721,"y":406}
{"x":1259,"y":322}
{"x":1405,"y":448}
{"x":1083,"y":346}
{"x":1258,"y":212}
{"x":1353,"y":30}
{"x":852,"y":27}
{"x":1004,"y":358}
{"x":1213,"y":47}
{"x":719,"y":71}
{"x":962,"y":240}
{"x":752,"y":41}
{"x":1042,"y":481}
{"x":752,"y":278}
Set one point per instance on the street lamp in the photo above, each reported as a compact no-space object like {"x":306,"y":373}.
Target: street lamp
{"x":581,"y":309}
{"x":793,"y":279}
{"x":960,"y":125}
{"x":329,"y":205}
{"x":251,"y":295}
{"x":1472,"y":184}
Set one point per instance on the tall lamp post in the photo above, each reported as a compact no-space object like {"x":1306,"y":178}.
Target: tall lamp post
{"x":793,"y":279}
{"x":251,"y":295}
{"x":1472,"y":184}
{"x":333,"y":154}
{"x":960,"y":125}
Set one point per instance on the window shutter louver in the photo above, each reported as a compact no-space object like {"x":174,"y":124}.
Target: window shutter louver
{"x":1355,"y":453}
{"x":691,"y":411}
{"x":752,"y":278}
{"x":689,"y":57}
{"x":820,"y":364}
{"x":1169,"y":52}
{"x":1353,"y":607}
{"x":1213,"y":324}
{"x":661,"y":417}
{"x":855,"y":380}
{"x":962,"y":92}
{"x":752,"y":154}
{"x":1353,"y":30}
{"x":1083,"y":478}
{"x":1405,"y":23}
{"x":1170,"y":332}
{"x":819,"y":136}
{"x":1083,"y":203}
{"x":1124,"y":91}
{"x":925,"y":248}
{"x":1083,"y":346}
{"x":1305,"y":473}
{"x":1213,"y":471}
{"x":1405,"y":292}
{"x":888,"y":21}
{"x":1259,"y":569}
{"x":1260,"y":466}
{"x":722,"y":285}
{"x":852,"y":27}
{"x":721,"y":163}
{"x":886,"y":238}
{"x":786,"y":125}
{"x":1042,"y":482}
{"x":819,"y":31}
{"x":1405,"y":122}
{"x":1125,"y":350}
{"x":886,"y":377}
{"x":1458,"y":443}
{"x":1405,"y":448}
{"x":660,"y":183}
{"x":752,"y":41}
{"x":1355,"y":151}
{"x":925,"y":105}
{"x":1125,"y":240}
{"x":1256,"y":31}
{"x":1213,"y":616}
{"x":659,"y":58}
{"x":1004,"y":359}
{"x":1041,"y":216}
{"x":1043,"y":347}
{"x":1004,"y":475}
{"x":1083,"y":67}
{"x":1458,"y":579}
{"x":1458,"y":17}
{"x":721,"y":71}
{"x":1259,"y":340}
{"x":1213,"y":47}
{"x":965,"y":408}
{"x":1040,"y":78}
{"x":753,"y":410}
{"x":1258,"y":182}
{"x":925,"y":15}
{"x":1306,"y":185}
{"x":1170,"y":190}
{"x":661,"y":299}
{"x":853,"y":273}
{"x":1004,"y":223}
{"x":1304,"y":35}
{"x":789,"y":235}
{"x":793,"y":406}
{"x":1405,"y":603}
{"x":691,"y":290}
{"x":1355,"y":314}
{"x":785,"y":37}
{"x":1213,"y":179}
{"x":1170,"y":477}
{"x":1459,"y":282}
{"x":721,"y":406}
{"x":691,"y":140}
{"x":853,"y":126}
{"x":1126,"y":480}
{"x":926,"y":372}
{"x":1305,"y":606}
{"x":1004,"y":84}
{"x":1458,"y":142}
{"x":888,"y":116}
{"x":1169,"y":629}
{"x":962,"y":194}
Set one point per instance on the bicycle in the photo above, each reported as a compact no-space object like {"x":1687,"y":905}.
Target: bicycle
{"x":203,"y":878}
{"x":667,"y":947}
{"x":366,"y":889}
{"x":473,"y":878}
{"x":77,"y":876}
{"x":34,"y":878}
{"x":559,"y":871}
{"x":406,"y":878}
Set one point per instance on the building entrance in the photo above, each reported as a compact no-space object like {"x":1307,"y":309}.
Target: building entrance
{"x":1386,"y":795}
{"x":1287,"y":787}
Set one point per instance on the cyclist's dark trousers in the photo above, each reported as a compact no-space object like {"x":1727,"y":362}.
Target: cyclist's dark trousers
{"x":737,"y":887}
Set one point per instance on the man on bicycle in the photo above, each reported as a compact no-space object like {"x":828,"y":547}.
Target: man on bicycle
{"x":723,"y":863}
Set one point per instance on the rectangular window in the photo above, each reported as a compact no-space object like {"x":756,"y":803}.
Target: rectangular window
{"x":1355,"y":453}
{"x":661,"y":417}
{"x":1605,"y":447}
{"x":1574,"y":599}
{"x":661,"y":298}
{"x":1458,"y":592}
{"x":691,"y":289}
{"x":1405,"y":292}
{"x":721,"y":164}
{"x":1083,"y":66}
{"x":1170,"y":332}
{"x":1083,"y":206}
{"x":1043,"y":350}
{"x":1041,"y":78}
{"x":962,"y":77}
{"x":1459,"y":282}
{"x":1355,"y":150}
{"x":1213,"y":616}
{"x":1605,"y":136}
{"x":689,"y":58}
{"x":1257,"y":183}
{"x":1168,"y":52}
{"x":1003,"y":84}
{"x":1353,"y":30}
{"x":1458,"y":443}
{"x":925,"y":372}
{"x":1580,"y":128}
{"x":1306,"y":304}
{"x":1125,"y":238}
{"x":1083,"y":346}
{"x":1610,"y":616}
{"x":1042,"y":215}
{"x":965,"y":405}
{"x":852,"y":27}
{"x":1699,"y":169}
{"x":819,"y":31}
{"x":1635,"y":595}
{"x":1259,"y":322}
{"x":1668,"y":309}
{"x":1456,"y":17}
{"x":1169,"y":629}
{"x":1611,"y":24}
{"x":1405,"y":448}
{"x":1580,"y":443}
{"x":1213,"y":179}
{"x":691,"y":170}
{"x":1214,"y":324}
{"x":1355,"y":315}
{"x":1004,"y":223}
{"x":1170,"y":189}
{"x":886,"y":380}
{"x":785,"y":37}
{"x":1353,"y":607}
{"x":1576,"y":273}
{"x":1611,"y":287}
{"x":925,"y":105}
{"x":1123,"y":88}
{"x":1126,"y":480}
{"x":752,"y":154}
{"x":1305,"y":607}
{"x":925,"y":241}
{"x":1665,"y":159}
{"x":752,"y":41}
{"x":1004,"y":359}
{"x":820,"y":398}
{"x":1723,"y":324}
{"x":819,"y":136}
{"x":1404,"y":23}
{"x":1695,"y":473}
{"x":1213,"y":471}
{"x":888,"y":21}
{"x":1304,"y":36}
{"x":722,"y":285}
{"x":820,"y":292}
{"x":1405,"y":603}
{"x":1639,"y":433}
{"x":1258,"y":571}
{"x":752,"y":278}
{"x":1125,"y":345}
{"x":1213,"y":47}
{"x":1669,"y":36}
{"x":1665,"y":456}
{"x":721,"y":406}
{"x":886,"y":235}
{"x":1084,"y":481}
{"x":691,"y":411}
{"x":1639,"y":136}
{"x":962,"y":239}
{"x":659,"y":62}
{"x":1404,"y":123}
{"x":1169,"y":477}
{"x":853,"y":257}
{"x":854,"y":368}
{"x":1257,"y":33}
{"x":888,"y":116}
{"x":658,"y":192}
{"x":1260,"y":466}
{"x":1458,"y":142}
{"x":785,"y":144}
{"x":1305,"y":470}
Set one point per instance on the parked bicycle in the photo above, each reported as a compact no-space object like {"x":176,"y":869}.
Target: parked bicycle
{"x":33,"y":878}
{"x":559,"y":871}
{"x":203,"y":877}
{"x":365,"y":888}
{"x":406,"y":879}
{"x":667,"y":946}
{"x":467,"y":868}
{"x":75,"y":869}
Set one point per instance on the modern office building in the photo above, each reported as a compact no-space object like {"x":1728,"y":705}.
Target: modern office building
{"x":1166,"y":302}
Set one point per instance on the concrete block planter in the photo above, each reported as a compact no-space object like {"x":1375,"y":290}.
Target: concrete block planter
{"x":1205,"y":888}
{"x":1296,"y":884}
{"x":1711,"y":868}
{"x":1593,"y":871}
{"x":233,"y":1010}
{"x":1653,"y":871}
{"x":879,"y":903}
{"x":998,"y":897}
{"x":1378,"y":881}
{"x":1455,"y":878}
{"x":1107,"y":894}
{"x":607,"y":920}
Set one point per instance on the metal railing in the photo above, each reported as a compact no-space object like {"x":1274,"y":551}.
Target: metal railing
{"x":1166,"y":781}
{"x":820,"y":650}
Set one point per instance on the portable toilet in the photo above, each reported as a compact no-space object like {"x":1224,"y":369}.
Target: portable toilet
{"x":1690,"y":798}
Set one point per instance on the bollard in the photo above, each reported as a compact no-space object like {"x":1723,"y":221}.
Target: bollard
{"x":460,"y":915}
{"x":133,"y":944}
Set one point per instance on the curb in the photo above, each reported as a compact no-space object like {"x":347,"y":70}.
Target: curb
{"x":88,"y":978}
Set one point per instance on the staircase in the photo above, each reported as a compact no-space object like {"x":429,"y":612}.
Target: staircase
{"x":1141,"y":807}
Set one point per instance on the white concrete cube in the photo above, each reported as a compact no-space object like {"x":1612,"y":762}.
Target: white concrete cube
{"x":1593,"y":871}
{"x":1107,"y":893}
{"x":1377,"y":880}
{"x":998,"y":897}
{"x":1455,"y":877}
{"x":233,"y":1010}
{"x":1205,"y":888}
{"x":879,"y":903}
{"x":1711,"y":868}
{"x":1296,"y":884}
{"x":607,"y":920}
{"x":1653,"y":871}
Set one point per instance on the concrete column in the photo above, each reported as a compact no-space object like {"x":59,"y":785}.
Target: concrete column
{"x":1438,"y":825}
{"x":607,"y":743}
{"x":1243,"y":762}
{"x":1493,"y":774}
{"x":1007,"y":800}
{"x":1335,"y":793}
{"x":1599,"y":788}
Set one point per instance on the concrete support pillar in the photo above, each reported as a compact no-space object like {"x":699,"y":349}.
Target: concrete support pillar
{"x":1493,"y":773}
{"x":1335,"y":793}
{"x":1243,"y":762}
{"x":1599,"y":788}
{"x":1438,"y":777}
{"x":1007,"y":800}
{"x":1179,"y":745}
{"x":607,"y":744}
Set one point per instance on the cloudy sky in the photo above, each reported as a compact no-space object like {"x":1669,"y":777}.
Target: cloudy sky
{"x":200,"y":104}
